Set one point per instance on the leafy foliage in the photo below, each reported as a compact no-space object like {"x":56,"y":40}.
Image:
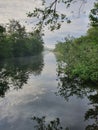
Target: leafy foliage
{"x":49,"y":15}
{"x":16,"y":42}
{"x":81,"y":55}
{"x":94,"y":15}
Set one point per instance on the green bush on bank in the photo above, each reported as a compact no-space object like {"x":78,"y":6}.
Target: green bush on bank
{"x":81,"y":56}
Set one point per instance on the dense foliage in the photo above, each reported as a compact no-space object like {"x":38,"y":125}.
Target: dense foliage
{"x":81,"y":54}
{"x":16,"y":42}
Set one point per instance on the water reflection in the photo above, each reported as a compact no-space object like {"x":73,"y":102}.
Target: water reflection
{"x":92,"y":113}
{"x":52,"y":125}
{"x":37,"y":98}
{"x":69,"y":87}
{"x":14,"y":73}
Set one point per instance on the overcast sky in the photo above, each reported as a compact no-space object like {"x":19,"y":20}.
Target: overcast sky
{"x":16,"y":9}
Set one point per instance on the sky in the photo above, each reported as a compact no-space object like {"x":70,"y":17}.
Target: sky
{"x":16,"y":9}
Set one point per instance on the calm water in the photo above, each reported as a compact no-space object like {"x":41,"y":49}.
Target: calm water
{"x":30,"y":87}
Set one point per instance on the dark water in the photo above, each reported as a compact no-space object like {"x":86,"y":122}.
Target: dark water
{"x":31,"y":87}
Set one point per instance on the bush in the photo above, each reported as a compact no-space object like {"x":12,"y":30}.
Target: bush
{"x":81,"y":56}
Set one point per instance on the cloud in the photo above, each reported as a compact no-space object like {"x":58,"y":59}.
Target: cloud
{"x":16,"y":9}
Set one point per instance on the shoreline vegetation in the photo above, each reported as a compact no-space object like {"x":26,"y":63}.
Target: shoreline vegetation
{"x":16,"y":42}
{"x":81,"y":54}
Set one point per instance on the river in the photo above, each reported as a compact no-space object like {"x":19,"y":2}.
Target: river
{"x":29,"y":87}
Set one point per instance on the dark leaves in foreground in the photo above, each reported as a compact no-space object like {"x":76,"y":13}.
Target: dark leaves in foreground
{"x":50,"y":15}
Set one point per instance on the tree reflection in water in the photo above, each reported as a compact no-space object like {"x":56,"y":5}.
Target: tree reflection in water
{"x":92,"y":113}
{"x":15,"y":72}
{"x":69,"y":87}
{"x":52,"y":125}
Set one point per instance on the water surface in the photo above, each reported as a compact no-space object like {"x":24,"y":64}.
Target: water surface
{"x":29,"y":87}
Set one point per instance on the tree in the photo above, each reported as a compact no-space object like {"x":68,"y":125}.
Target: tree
{"x":93,"y":31}
{"x":16,"y":30}
{"x":15,"y":41}
{"x":94,"y":15}
{"x":2,"y":29}
{"x":2,"y":32}
{"x":50,"y":16}
{"x":3,"y":46}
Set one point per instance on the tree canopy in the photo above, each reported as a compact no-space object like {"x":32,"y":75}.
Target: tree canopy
{"x":16,"y":42}
{"x":94,"y":15}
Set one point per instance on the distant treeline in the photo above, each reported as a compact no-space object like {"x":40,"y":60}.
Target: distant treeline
{"x":81,"y":54}
{"x":16,"y":42}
